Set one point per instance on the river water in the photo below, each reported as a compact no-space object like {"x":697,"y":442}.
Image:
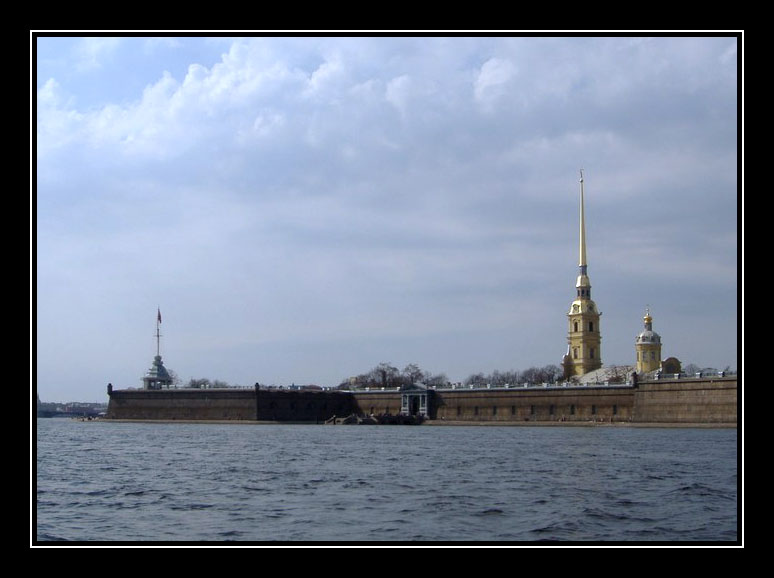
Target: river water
{"x":105,"y":481}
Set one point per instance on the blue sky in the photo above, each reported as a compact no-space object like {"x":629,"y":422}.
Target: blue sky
{"x":302,"y":209}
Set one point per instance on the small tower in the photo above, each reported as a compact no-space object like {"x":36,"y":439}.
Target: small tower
{"x":648,"y":346}
{"x":584,"y":352}
{"x":157,"y":377}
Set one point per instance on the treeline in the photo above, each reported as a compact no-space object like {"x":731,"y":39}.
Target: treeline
{"x":387,"y":375}
{"x":547,"y":374}
{"x":204,"y":383}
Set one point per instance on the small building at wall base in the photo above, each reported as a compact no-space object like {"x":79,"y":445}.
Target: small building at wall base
{"x":414,"y":400}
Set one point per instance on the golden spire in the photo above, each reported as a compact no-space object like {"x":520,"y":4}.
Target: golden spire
{"x":583,"y":280}
{"x":582,"y":260}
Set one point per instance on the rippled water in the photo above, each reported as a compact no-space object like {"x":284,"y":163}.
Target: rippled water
{"x":108,"y":481}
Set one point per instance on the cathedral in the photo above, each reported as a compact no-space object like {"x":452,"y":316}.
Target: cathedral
{"x":584,"y":340}
{"x":584,"y":351}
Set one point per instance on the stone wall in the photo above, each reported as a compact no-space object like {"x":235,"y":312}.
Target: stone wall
{"x":228,"y":404}
{"x":385,"y":402}
{"x":698,"y":400}
{"x":190,"y":404}
{"x":303,"y":405}
{"x":536,"y":404}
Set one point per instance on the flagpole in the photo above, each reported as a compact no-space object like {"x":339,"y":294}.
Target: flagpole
{"x":158,"y":335}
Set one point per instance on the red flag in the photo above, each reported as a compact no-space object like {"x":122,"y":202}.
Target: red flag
{"x":158,"y":317}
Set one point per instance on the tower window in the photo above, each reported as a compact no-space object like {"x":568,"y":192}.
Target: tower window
{"x":575,"y":326}
{"x":575,"y":353}
{"x":591,"y":326}
{"x":591,"y":354}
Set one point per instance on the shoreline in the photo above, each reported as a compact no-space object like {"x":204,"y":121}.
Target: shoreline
{"x":444,"y":423}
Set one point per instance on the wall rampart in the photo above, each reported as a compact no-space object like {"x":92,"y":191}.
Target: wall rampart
{"x":700,"y":400}
{"x":536,"y":404}
{"x":692,"y":400}
{"x":193,"y":404}
{"x":229,"y":404}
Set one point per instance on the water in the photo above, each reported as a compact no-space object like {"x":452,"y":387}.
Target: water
{"x":103,"y":481}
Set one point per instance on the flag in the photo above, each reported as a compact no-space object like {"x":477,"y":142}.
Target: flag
{"x":158,"y":317}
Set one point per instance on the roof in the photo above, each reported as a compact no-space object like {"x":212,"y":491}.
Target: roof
{"x":607,"y":373}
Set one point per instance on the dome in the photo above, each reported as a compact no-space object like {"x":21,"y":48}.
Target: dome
{"x":648,"y":336}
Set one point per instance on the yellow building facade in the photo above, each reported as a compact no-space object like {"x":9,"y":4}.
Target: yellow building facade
{"x":648,"y":347}
{"x":584,"y":340}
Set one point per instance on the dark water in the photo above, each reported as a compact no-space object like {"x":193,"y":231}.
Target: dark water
{"x":103,"y":481}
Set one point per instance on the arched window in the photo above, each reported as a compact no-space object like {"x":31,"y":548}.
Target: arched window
{"x":575,"y":326}
{"x":591,"y":326}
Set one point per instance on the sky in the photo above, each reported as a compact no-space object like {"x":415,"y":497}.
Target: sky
{"x":300,"y":209}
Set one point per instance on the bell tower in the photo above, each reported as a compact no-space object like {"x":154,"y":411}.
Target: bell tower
{"x":648,"y":347}
{"x":584,"y":352}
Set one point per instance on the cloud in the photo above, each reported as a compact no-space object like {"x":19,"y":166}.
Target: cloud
{"x":397,"y":93}
{"x":492,"y":81}
{"x":92,"y":52}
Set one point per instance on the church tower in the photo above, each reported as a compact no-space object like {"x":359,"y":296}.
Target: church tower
{"x":648,"y":346}
{"x":584,"y":352}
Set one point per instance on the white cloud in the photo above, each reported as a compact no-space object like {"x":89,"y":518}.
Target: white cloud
{"x":92,"y":52}
{"x":493,"y":81}
{"x":397,"y":93}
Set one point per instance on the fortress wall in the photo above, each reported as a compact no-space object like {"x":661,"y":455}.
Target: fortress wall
{"x":700,"y":400}
{"x":536,"y":404}
{"x":307,"y":406}
{"x":228,"y":404}
{"x":191,"y":404}
{"x":377,"y":402}
{"x":707,"y":400}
